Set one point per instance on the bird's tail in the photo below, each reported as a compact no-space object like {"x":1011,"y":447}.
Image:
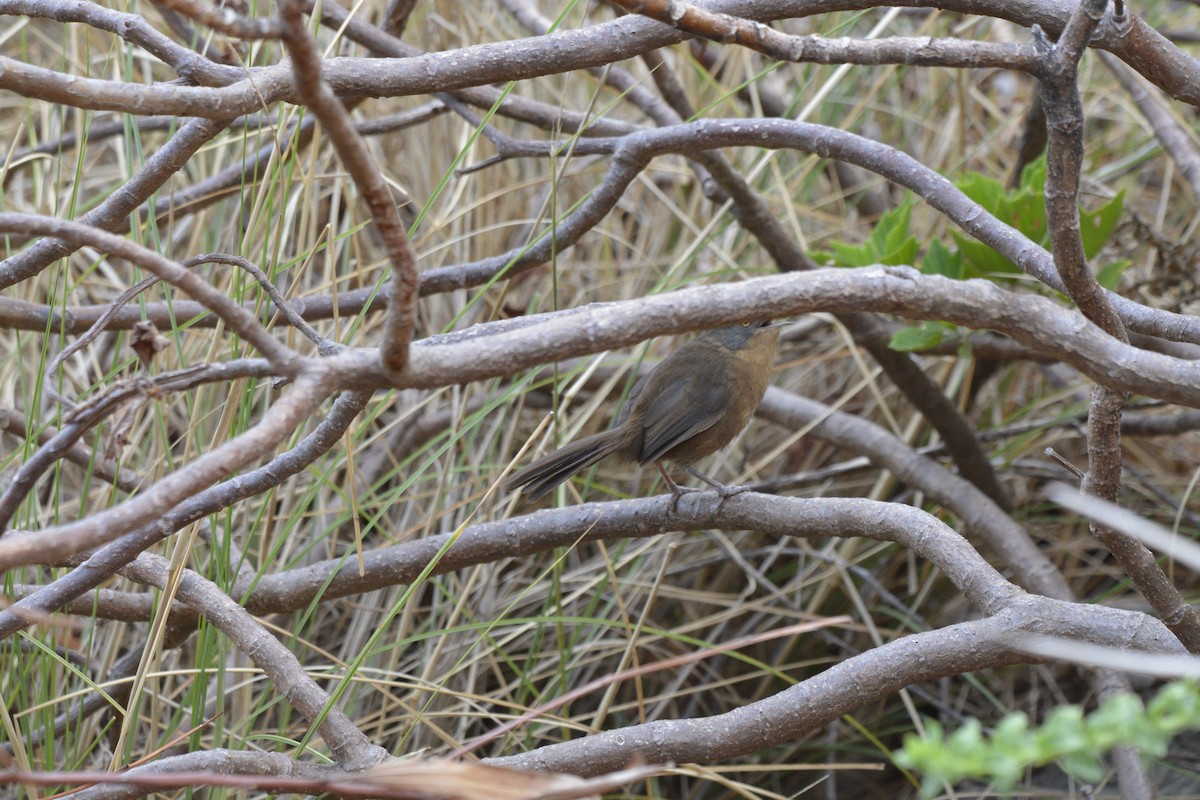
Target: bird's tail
{"x":549,"y":471}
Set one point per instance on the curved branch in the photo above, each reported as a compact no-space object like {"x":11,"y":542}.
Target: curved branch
{"x":281,"y":419}
{"x":1135,"y":42}
{"x":842,"y":688}
{"x":1036,"y":322}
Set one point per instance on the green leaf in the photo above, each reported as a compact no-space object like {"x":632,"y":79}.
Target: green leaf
{"x":891,"y":239}
{"x":893,"y":222}
{"x":1012,"y":750}
{"x":941,"y":260}
{"x":1033,"y":177}
{"x":1097,"y":226}
{"x":1084,"y":766}
{"x":851,"y":255}
{"x":1109,"y":276}
{"x":979,"y":259}
{"x":822,"y":257}
{"x":1123,"y":719}
{"x":1024,"y":208}
{"x":1005,"y":769}
{"x":1062,"y":732}
{"x":1116,"y":721}
{"x":988,"y":192}
{"x":903,"y":253}
{"x":918,"y":337}
{"x":1176,"y":707}
{"x":890,"y":243}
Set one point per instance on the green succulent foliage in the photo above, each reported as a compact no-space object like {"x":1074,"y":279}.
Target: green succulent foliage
{"x":1069,"y":737}
{"x":1024,"y":208}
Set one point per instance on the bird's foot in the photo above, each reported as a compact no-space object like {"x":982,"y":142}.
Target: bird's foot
{"x":677,"y":492}
{"x":727,"y":492}
{"x":724,"y":491}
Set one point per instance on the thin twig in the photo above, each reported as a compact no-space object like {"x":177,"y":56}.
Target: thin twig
{"x":316,"y":94}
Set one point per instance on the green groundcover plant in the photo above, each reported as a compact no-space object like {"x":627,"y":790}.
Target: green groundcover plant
{"x":1074,"y":740}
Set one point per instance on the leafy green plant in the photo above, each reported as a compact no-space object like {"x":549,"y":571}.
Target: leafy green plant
{"x":922,"y":336}
{"x":1069,"y":737}
{"x":1024,"y":208}
{"x":890,"y":243}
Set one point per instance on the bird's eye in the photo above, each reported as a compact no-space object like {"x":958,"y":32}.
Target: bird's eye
{"x":745,"y":324}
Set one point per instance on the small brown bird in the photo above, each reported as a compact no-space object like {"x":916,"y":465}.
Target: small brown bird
{"x":689,"y":406}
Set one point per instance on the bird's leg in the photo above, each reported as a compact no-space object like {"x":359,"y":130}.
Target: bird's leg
{"x":677,"y":491}
{"x":726,"y":492}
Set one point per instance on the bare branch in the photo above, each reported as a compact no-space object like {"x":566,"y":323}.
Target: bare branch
{"x":1035,"y":322}
{"x":53,"y":543}
{"x":108,"y":559}
{"x":114,"y":211}
{"x":842,"y":688}
{"x":925,"y":52}
{"x":350,"y":748}
{"x":316,"y":94}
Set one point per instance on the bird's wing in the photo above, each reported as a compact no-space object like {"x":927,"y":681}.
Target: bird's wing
{"x":682,"y":410}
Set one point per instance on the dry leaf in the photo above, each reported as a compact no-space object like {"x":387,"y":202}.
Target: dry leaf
{"x":146,"y":341}
{"x":461,"y":780}
{"x":121,"y":425}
